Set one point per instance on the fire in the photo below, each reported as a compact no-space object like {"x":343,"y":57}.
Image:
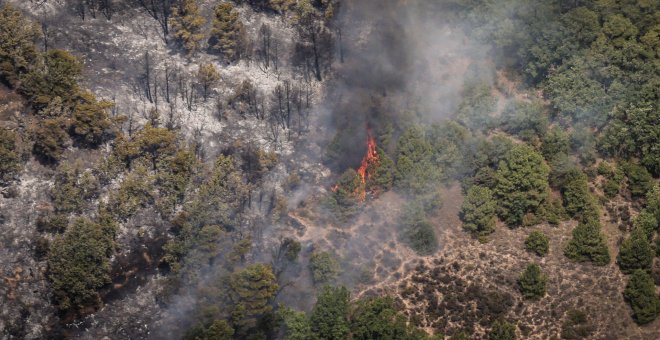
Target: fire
{"x":370,"y":158}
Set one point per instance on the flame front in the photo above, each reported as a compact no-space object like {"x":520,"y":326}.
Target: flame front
{"x":370,"y":158}
{"x":368,"y":164}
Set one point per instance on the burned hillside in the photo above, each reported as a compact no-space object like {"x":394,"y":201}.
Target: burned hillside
{"x":329,"y":169}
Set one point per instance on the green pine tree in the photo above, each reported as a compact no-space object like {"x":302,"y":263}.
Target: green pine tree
{"x":478,"y":210}
{"x":635,"y":253}
{"x":532,"y":282}
{"x":588,"y":244}
{"x":228,"y":31}
{"x":187,"y":24}
{"x":640,"y":294}
{"x":522,"y":183}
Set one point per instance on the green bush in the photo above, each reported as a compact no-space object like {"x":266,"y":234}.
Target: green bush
{"x":526,"y":120}
{"x":522,"y":184}
{"x":135,"y":192}
{"x":653,"y":202}
{"x":640,"y":180}
{"x":73,"y":189}
{"x":228,"y":31}
{"x":460,"y":335}
{"x":477,"y":104}
{"x":78,"y":264}
{"x":56,"y":223}
{"x":217,"y":330}
{"x":324,"y":267}
{"x":555,"y":142}
{"x":9,"y":156}
{"x":576,"y":326}
{"x":553,"y":211}
{"x":478,"y":211}
{"x":537,"y":243}
{"x":417,"y":173}
{"x":173,"y":177}
{"x":640,"y":294}
{"x":449,"y":144}
{"x":588,"y":244}
{"x":417,"y":231}
{"x":295,"y":324}
{"x":381,"y":173}
{"x":50,"y":140}
{"x":646,"y":222}
{"x":17,"y":49}
{"x":344,"y":200}
{"x":611,"y":188}
{"x":377,"y":318}
{"x":57,"y":77}
{"x":253,"y":289}
{"x":613,"y":179}
{"x":187,"y":22}
{"x":502,"y":330}
{"x":578,"y":201}
{"x":532,"y":282}
{"x":90,"y":119}
{"x":635,"y":253}
{"x":329,"y":317}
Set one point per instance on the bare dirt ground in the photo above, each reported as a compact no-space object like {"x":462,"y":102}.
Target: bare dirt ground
{"x":466,"y":285}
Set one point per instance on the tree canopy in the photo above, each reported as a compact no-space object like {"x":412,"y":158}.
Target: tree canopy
{"x":522,"y":183}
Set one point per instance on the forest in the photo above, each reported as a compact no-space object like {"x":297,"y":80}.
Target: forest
{"x":329,"y":169}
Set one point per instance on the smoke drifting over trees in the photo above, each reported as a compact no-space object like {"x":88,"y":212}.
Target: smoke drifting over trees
{"x":328,"y":169}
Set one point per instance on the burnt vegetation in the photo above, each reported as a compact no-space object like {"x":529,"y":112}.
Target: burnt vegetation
{"x":329,"y":169}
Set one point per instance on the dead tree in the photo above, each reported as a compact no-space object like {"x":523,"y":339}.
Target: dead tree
{"x":186,"y":90}
{"x":172,"y":115}
{"x":155,"y":91}
{"x":145,"y":77}
{"x":80,"y":9}
{"x":130,"y":122}
{"x":168,"y":78}
{"x":263,"y":51}
{"x":268,"y":49}
{"x":284,"y":254}
{"x":106,"y":8}
{"x":160,"y":10}
{"x":245,"y":100}
{"x":45,"y":30}
{"x":197,"y":144}
{"x":313,"y":49}
{"x":288,"y":96}
{"x":153,"y":117}
{"x":274,"y":130}
{"x":278,"y":105}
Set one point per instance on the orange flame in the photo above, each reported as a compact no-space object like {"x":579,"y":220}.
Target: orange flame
{"x":363,"y":171}
{"x":370,"y":158}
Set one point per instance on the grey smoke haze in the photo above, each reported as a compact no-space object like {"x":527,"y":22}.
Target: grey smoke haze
{"x":402,"y":60}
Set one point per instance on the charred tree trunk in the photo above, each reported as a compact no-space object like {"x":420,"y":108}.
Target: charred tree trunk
{"x":315,"y":48}
{"x":147,"y":77}
{"x":340,"y":46}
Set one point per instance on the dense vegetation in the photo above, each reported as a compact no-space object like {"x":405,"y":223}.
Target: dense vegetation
{"x":335,"y":316}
